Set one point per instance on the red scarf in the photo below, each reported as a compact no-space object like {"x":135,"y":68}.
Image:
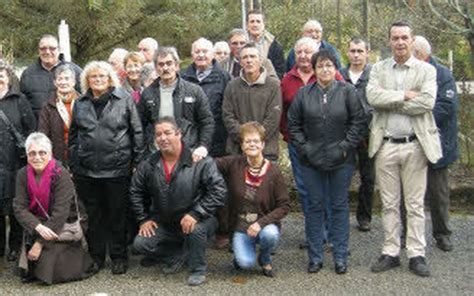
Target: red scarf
{"x":42,"y":189}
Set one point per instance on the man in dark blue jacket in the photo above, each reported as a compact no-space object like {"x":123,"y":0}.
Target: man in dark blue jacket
{"x":444,"y":112}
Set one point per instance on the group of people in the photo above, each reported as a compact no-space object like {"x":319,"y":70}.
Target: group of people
{"x":130,"y":152}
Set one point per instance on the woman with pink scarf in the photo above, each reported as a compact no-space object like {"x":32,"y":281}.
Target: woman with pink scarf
{"x":45,"y":200}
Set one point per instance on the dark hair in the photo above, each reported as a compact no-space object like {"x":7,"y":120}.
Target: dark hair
{"x":359,"y":40}
{"x":251,"y":127}
{"x":167,"y":119}
{"x":400,"y":24}
{"x":256,"y":11}
{"x":322,"y":55}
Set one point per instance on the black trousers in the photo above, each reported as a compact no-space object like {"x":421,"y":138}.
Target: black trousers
{"x":366,"y":188}
{"x":105,"y":200}
{"x":437,"y":194}
{"x":14,"y":237}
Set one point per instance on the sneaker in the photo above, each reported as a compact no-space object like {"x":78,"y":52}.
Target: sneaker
{"x":384,"y":263}
{"x":418,"y":266}
{"x":196,"y":279}
{"x":444,"y":244}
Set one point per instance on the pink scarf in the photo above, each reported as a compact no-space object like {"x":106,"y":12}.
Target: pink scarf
{"x":42,"y":189}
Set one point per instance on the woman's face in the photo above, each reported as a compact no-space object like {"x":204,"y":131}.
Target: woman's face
{"x":325,"y":71}
{"x":65,"y":83}
{"x":4,"y":80}
{"x":38,"y":157}
{"x":252,"y":145}
{"x":99,"y":81}
{"x":133,"y":70}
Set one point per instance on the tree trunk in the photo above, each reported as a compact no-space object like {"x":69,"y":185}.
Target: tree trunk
{"x":338,"y":23}
{"x":365,"y":20}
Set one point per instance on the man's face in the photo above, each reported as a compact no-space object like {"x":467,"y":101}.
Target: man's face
{"x":166,"y":68}
{"x":357,"y":54}
{"x":314,"y":32}
{"x":202,"y":56}
{"x":255,"y":25}
{"x":250,"y":60}
{"x":303,"y":55}
{"x":236,"y":43}
{"x":167,"y":138}
{"x":401,"y":42}
{"x":147,"y":50}
{"x":48,"y":52}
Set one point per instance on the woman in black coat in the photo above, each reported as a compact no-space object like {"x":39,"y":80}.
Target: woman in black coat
{"x":18,"y":113}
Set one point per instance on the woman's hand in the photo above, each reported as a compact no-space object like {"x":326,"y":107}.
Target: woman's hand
{"x":35,"y":251}
{"x":46,"y":232}
{"x":254,"y":229}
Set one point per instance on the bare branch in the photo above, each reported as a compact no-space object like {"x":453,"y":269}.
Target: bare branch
{"x":451,"y":24}
{"x":455,"y":5}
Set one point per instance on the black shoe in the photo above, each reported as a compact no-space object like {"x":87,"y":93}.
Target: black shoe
{"x":384,"y":263}
{"x":444,"y":244}
{"x":341,"y":267}
{"x":268,"y":272}
{"x":174,"y":266}
{"x":119,"y":267}
{"x":418,"y":266}
{"x":12,"y":256}
{"x":148,"y":261}
{"x":364,"y":226}
{"x":315,"y":267}
{"x":236,"y":265}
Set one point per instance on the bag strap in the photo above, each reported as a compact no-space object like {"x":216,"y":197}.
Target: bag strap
{"x":49,"y":217}
{"x":18,"y":137}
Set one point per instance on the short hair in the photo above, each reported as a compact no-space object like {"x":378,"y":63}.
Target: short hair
{"x":222,"y":45}
{"x":94,"y":65}
{"x":164,"y":51}
{"x":251,"y":127}
{"x":251,"y":45}
{"x":306,"y":40}
{"x":48,"y":36}
{"x":5,"y":66}
{"x":146,"y":72}
{"x":323,"y":54}
{"x":237,"y":31}
{"x":150,"y":41}
{"x":208,"y":44}
{"x":256,"y":11}
{"x":312,"y":23}
{"x":63,"y":69}
{"x":41,"y":140}
{"x":167,"y":119}
{"x":400,"y":24}
{"x":359,"y":40}
{"x":134,"y":56}
{"x":423,"y":44}
{"x":118,"y":53}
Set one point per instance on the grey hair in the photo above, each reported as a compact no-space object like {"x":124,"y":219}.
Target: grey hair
{"x":222,"y":45}
{"x":423,"y":44}
{"x":63,"y":69}
{"x":5,"y":66}
{"x":151,"y":41}
{"x":94,"y":65}
{"x":41,"y":140}
{"x":237,"y":31}
{"x":119,"y":54}
{"x":206,"y":43}
{"x":48,"y":36}
{"x":146,"y":72}
{"x":312,"y":23}
{"x":164,"y":51}
{"x":306,"y":40}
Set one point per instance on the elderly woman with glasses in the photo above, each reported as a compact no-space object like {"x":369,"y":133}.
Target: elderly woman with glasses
{"x":325,"y":124}
{"x":16,"y":122}
{"x":45,"y":200}
{"x":105,"y":143}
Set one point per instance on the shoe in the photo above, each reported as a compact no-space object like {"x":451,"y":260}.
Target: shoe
{"x":27,"y":278}
{"x":196,"y":279}
{"x":303,"y":245}
{"x":236,"y":265}
{"x":148,"y":261}
{"x":95,"y":268}
{"x":444,"y":244}
{"x":341,"y":267}
{"x":119,"y":267}
{"x":12,"y":256}
{"x":418,"y":266}
{"x":384,"y":263}
{"x":174,"y":266}
{"x":315,"y":267}
{"x":364,"y":226}
{"x":268,"y":272}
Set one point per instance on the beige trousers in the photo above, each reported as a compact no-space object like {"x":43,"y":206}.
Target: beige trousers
{"x":402,"y":167}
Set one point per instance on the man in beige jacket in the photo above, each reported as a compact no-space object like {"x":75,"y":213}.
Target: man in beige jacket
{"x":403,"y":138}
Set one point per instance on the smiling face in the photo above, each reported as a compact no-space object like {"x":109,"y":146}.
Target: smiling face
{"x":99,"y":81}
{"x":38,"y":157}
{"x":202,"y":56}
{"x":65,"y":83}
{"x":168,"y":138}
{"x":252,"y":145}
{"x":133,"y":69}
{"x":357,"y":54}
{"x":313,"y":31}
{"x":401,"y":42}
{"x":167,"y":69}
{"x":303,"y":54}
{"x":48,"y":52}
{"x":255,"y":25}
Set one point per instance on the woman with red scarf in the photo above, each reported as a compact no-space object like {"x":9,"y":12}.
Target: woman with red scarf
{"x":45,"y":200}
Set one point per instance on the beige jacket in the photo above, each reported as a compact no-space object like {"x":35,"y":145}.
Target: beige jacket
{"x":383,"y":96}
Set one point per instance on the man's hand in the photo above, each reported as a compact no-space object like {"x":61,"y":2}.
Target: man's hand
{"x":254,"y":229}
{"x":147,"y":229}
{"x":46,"y":232}
{"x":199,"y":153}
{"x":187,"y":224}
{"x":35,"y":251}
{"x":410,"y":94}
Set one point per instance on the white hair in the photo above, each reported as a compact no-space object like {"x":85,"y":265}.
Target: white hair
{"x":39,"y":139}
{"x":312,"y":23}
{"x":222,"y":45}
{"x":118,"y":54}
{"x":307,"y":41}
{"x":95,"y":65}
{"x":150,"y":41}
{"x":421,"y":43}
{"x":204,"y":43}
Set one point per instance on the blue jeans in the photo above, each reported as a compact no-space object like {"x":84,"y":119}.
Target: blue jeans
{"x":245,"y":246}
{"x":327,"y":187}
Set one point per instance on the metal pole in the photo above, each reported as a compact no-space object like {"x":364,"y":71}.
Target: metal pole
{"x":244,"y":15}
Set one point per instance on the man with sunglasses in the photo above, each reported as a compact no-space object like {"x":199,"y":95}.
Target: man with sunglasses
{"x":36,"y":82}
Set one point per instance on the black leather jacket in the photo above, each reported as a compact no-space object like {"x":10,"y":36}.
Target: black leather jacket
{"x":105,"y":147}
{"x":326,"y":132}
{"x":197,"y":189}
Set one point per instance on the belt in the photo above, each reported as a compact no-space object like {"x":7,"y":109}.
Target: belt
{"x":402,"y":140}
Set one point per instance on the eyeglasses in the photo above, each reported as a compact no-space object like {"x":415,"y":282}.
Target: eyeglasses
{"x":100,"y":76}
{"x":50,"y":48}
{"x":33,"y":154}
{"x":325,"y":67}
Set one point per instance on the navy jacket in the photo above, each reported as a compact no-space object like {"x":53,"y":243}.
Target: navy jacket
{"x":291,"y":60}
{"x":444,"y":112}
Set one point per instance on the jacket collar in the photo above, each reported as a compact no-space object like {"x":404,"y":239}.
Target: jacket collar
{"x":261,"y":79}
{"x":185,"y":159}
{"x":190,"y":72}
{"x":364,"y":76}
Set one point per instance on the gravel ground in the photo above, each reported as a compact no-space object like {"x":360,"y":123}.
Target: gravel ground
{"x":451,"y":272}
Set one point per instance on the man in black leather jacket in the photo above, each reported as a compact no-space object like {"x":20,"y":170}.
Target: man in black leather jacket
{"x":184,"y":196}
